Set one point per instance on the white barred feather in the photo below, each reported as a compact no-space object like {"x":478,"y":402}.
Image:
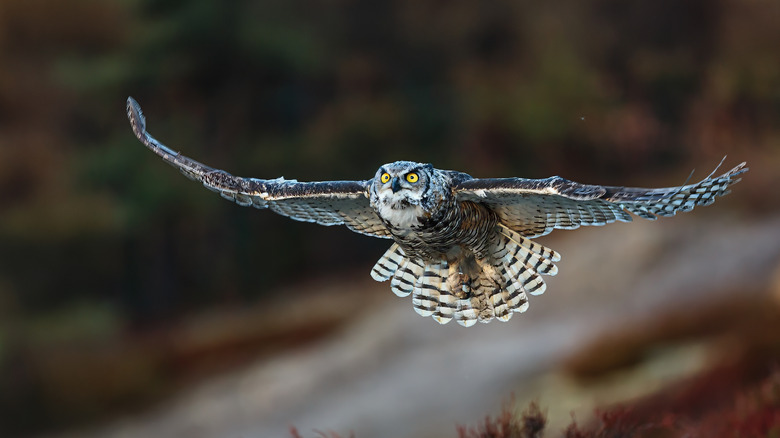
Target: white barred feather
{"x":385,"y":268}
{"x":406,"y":276}
{"x":447,"y":300}
{"x":467,"y":311}
{"x":427,"y":289}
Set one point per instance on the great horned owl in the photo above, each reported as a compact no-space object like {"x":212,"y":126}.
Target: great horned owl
{"x":462,"y":245}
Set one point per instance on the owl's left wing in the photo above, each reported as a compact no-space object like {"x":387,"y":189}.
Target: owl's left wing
{"x":324,"y":203}
{"x":534,"y":207}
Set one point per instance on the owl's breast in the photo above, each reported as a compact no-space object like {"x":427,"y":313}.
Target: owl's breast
{"x":402,"y":212}
{"x":459,"y":228}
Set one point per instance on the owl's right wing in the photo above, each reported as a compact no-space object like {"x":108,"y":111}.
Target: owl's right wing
{"x":534,"y":207}
{"x":324,"y":203}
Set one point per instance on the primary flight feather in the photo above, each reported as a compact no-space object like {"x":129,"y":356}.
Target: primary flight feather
{"x":462,"y":245}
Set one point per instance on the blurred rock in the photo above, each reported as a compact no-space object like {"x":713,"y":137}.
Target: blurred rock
{"x":391,"y":373}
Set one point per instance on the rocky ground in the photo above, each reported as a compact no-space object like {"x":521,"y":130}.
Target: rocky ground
{"x":620,"y":320}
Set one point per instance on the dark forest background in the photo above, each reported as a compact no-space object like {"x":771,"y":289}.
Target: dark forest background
{"x":100,"y":242}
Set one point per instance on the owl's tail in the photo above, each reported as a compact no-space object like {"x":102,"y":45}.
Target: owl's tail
{"x":471,"y":289}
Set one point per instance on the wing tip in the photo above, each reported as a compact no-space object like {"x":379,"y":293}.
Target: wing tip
{"x":737,"y":170}
{"x":138,"y":123}
{"x":136,"y":117}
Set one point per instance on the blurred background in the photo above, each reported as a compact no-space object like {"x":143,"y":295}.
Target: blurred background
{"x":135,"y":303}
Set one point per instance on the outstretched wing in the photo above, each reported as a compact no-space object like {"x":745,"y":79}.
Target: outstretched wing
{"x":325,"y":203}
{"x":534,"y":207}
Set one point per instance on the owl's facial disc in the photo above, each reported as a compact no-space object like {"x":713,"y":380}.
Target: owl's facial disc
{"x":400,"y":191}
{"x":400,"y":185}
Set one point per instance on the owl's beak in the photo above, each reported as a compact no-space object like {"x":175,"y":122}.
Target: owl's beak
{"x":396,"y":185}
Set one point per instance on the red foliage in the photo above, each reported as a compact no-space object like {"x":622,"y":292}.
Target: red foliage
{"x":620,"y":423}
{"x":717,"y":403}
{"x":507,"y":425}
{"x":709,"y":406}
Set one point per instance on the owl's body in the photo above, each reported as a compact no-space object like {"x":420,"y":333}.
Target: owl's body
{"x":424,"y":217}
{"x":453,"y":256}
{"x":462,"y":245}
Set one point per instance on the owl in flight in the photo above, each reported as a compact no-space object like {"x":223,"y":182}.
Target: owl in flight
{"x":461,"y":246}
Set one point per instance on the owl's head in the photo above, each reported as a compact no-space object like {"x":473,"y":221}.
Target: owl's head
{"x":402,"y":181}
{"x":406,"y":188}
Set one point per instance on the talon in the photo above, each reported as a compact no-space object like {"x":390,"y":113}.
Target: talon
{"x":465,"y":287}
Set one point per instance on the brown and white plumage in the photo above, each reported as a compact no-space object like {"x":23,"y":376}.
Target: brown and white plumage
{"x":462,"y":245}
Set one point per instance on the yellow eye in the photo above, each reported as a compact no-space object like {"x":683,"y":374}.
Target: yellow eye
{"x":385,"y":178}
{"x":412,"y":177}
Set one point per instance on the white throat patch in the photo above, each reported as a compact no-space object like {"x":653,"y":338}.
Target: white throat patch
{"x":403,"y":218}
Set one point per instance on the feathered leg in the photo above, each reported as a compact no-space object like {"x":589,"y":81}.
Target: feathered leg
{"x":512,"y":270}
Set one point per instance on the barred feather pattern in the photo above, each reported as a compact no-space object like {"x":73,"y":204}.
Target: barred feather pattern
{"x":667,"y":202}
{"x":324,"y":203}
{"x":549,"y":212}
{"x":471,"y":289}
{"x":517,"y":264}
{"x":536,"y":207}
